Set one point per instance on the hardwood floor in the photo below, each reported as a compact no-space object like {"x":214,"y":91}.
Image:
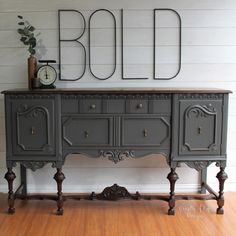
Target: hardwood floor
{"x":120,"y":218}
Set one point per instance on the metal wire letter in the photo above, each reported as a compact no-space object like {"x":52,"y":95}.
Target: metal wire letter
{"x":154,"y":43}
{"x":122,"y":51}
{"x":71,"y":40}
{"x":89,"y":44}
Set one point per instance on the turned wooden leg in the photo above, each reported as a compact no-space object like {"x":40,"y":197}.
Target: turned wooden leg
{"x":172,"y":177}
{"x":221,"y":176}
{"x":10,"y":176}
{"x":59,"y":177}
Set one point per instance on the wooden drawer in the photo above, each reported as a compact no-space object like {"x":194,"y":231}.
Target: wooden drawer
{"x":90,"y":106}
{"x":69,"y":105}
{"x":86,"y":131}
{"x":160,"y":106}
{"x":114,"y":106}
{"x":137,"y":106}
{"x":145,"y":131}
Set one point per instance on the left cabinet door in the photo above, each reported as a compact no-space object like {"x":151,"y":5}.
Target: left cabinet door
{"x":32,"y":127}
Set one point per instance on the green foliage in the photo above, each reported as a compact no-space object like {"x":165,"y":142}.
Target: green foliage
{"x":26,"y":32}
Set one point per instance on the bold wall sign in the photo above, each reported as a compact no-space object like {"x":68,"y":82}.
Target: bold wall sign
{"x":76,"y":41}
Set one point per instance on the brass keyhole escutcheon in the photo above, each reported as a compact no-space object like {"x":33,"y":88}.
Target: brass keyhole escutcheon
{"x":199,"y":130}
{"x":145,"y":132}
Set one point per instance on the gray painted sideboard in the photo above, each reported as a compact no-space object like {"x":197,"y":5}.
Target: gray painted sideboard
{"x":185,"y":125}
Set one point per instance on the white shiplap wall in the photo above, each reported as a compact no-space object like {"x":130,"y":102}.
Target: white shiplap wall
{"x":209,"y":60}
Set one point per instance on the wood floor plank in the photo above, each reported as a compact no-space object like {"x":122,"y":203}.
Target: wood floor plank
{"x":121,"y":218}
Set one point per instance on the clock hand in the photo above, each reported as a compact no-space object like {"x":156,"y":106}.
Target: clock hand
{"x":46,"y":73}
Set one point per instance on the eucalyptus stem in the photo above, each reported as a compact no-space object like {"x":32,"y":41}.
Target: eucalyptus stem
{"x":27,"y":34}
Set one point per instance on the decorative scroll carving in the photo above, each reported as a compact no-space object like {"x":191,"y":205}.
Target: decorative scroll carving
{"x":113,"y":193}
{"x":116,"y":155}
{"x":200,"y":111}
{"x":221,"y":164}
{"x":11,"y":164}
{"x":34,"y":165}
{"x":198,"y":165}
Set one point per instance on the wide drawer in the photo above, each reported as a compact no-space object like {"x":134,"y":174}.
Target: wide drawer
{"x":86,"y":131}
{"x":145,"y":131}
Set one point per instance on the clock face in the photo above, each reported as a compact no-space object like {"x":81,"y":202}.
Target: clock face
{"x":47,"y":75}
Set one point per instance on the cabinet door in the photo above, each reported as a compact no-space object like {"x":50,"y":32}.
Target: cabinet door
{"x":33,"y":127}
{"x":200,"y":127}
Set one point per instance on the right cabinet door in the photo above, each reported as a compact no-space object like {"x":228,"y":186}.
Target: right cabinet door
{"x":200,"y":124}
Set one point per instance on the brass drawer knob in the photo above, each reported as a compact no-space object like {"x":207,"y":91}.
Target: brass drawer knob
{"x":92,"y":106}
{"x":140,"y":106}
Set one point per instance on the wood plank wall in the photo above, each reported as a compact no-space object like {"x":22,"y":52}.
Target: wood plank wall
{"x":208,"y":60}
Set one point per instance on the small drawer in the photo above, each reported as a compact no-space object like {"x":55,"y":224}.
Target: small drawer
{"x":69,"y":106}
{"x":137,"y":106}
{"x":160,"y":106}
{"x":90,"y":106}
{"x":115,"y":106}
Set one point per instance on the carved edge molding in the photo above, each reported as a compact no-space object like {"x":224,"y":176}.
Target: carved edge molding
{"x":117,"y":96}
{"x":116,"y":155}
{"x":32,"y":96}
{"x":200,"y":96}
